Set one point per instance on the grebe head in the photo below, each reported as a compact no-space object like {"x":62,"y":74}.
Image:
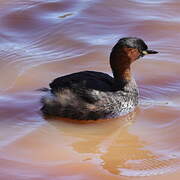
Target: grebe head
{"x":132,"y":47}
{"x":126,"y":51}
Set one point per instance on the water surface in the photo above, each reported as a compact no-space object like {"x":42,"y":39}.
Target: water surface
{"x":40,"y":40}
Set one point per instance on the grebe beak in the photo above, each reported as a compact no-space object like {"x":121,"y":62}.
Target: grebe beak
{"x":145,"y":52}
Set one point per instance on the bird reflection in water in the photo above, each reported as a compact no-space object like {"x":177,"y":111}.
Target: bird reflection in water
{"x":111,"y":145}
{"x":108,"y":144}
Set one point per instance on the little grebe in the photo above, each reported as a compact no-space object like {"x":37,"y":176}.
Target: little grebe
{"x":91,"y":95}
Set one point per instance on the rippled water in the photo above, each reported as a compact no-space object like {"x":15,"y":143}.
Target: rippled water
{"x":40,"y":40}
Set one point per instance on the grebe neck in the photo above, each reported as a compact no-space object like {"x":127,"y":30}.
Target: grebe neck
{"x":120,"y":65}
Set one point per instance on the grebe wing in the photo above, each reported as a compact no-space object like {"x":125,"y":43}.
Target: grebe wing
{"x":83,"y":80}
